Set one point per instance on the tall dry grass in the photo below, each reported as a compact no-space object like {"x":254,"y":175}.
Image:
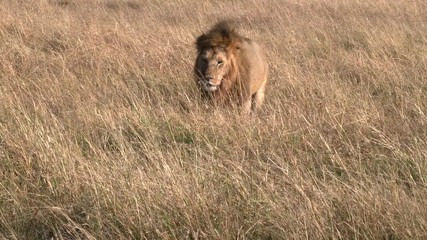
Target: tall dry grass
{"x":103,"y":135}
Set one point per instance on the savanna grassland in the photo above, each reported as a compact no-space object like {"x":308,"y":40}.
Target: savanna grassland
{"x":103,"y":134}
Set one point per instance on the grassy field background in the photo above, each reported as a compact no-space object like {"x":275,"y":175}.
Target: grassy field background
{"x":103,"y":134}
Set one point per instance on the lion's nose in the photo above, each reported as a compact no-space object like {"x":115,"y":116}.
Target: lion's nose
{"x":209,"y":79}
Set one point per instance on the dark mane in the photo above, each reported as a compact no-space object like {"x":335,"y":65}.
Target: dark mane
{"x":222,"y":35}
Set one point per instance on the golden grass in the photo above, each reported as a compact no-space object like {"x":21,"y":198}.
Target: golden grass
{"x":103,"y":135}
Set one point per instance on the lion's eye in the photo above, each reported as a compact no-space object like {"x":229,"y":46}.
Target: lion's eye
{"x":220,"y":62}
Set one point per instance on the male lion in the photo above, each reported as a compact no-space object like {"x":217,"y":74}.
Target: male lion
{"x":230,"y":67}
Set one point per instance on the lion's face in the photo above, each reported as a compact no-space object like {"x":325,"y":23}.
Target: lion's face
{"x":212,"y":66}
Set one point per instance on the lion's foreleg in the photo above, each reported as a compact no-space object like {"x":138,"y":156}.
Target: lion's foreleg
{"x":259,"y":96}
{"x":247,"y":106}
{"x":245,"y":97}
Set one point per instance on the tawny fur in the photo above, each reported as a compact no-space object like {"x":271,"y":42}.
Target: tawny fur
{"x":230,"y":67}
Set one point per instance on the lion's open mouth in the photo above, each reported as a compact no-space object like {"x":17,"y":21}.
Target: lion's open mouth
{"x":210,"y":87}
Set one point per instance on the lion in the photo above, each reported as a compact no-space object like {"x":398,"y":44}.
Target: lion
{"x":230,"y":67}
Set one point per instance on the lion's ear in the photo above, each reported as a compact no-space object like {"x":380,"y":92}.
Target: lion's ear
{"x":236,"y":45}
{"x":226,"y":34}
